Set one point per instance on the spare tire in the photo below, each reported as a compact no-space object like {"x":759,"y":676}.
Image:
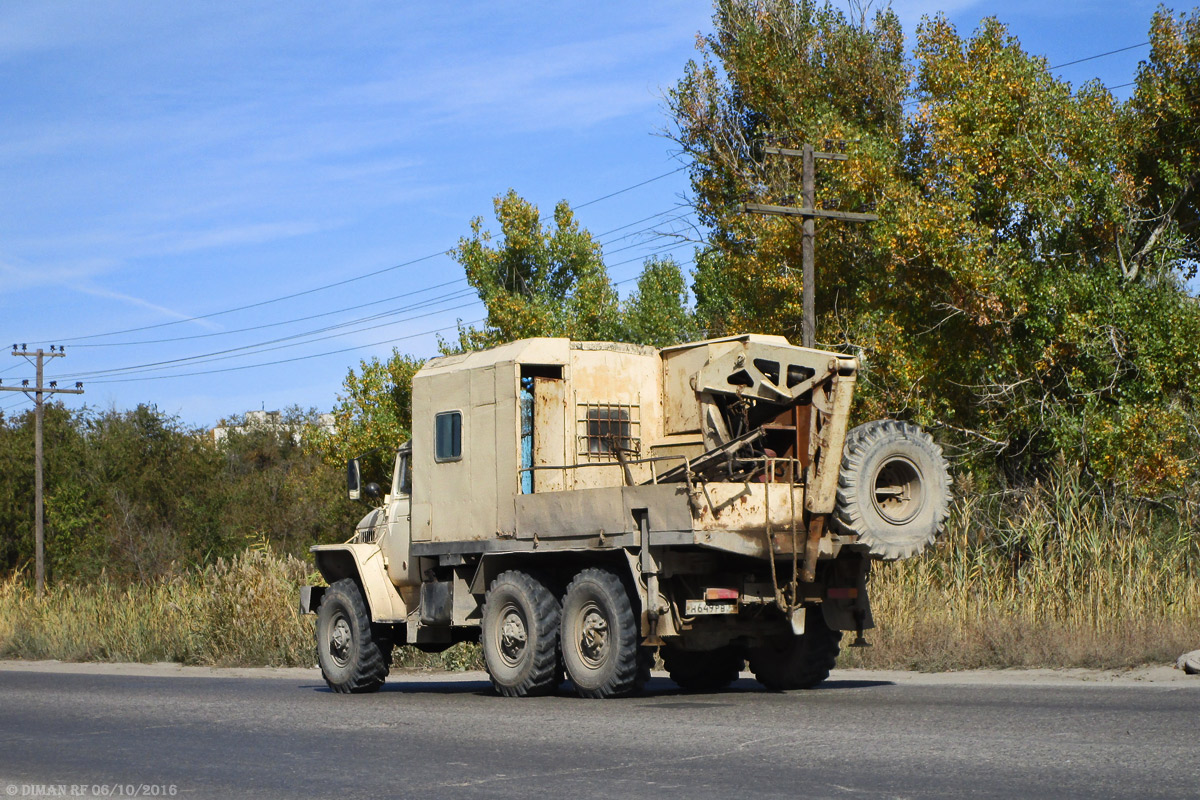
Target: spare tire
{"x":893,"y":488}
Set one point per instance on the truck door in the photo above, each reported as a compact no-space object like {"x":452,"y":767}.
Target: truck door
{"x":543,"y":428}
{"x":402,"y":568}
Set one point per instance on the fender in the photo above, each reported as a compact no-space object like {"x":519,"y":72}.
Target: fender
{"x":364,"y":564}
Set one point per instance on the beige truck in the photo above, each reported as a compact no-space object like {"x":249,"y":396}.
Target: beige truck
{"x":574,"y":505}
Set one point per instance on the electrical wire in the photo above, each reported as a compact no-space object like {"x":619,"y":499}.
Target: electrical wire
{"x":275,"y":324}
{"x":335,"y":284}
{"x":254,"y":305}
{"x":372,"y":303}
{"x":264,"y":346}
{"x":122,"y":377}
{"x":629,"y":188}
{"x":261,"y":347}
{"x":1099,"y":55}
{"x":914,"y":101}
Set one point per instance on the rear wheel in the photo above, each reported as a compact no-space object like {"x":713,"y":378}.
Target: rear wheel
{"x":353,"y":658}
{"x":520,"y":635}
{"x":600,"y":636}
{"x":703,"y":671}
{"x":797,"y":662}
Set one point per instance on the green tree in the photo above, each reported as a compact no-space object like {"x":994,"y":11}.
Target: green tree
{"x":278,"y":489}
{"x":1003,"y":295}
{"x":656,"y":312}
{"x":373,"y":414}
{"x":536,"y":280}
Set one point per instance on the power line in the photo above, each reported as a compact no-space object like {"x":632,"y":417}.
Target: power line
{"x":256,"y":305}
{"x":374,"y":302}
{"x":1076,"y":61}
{"x":275,"y":324}
{"x":1099,"y":55}
{"x":287,"y":360}
{"x":262,"y":347}
{"x":123,"y":379}
{"x":629,"y":188}
{"x":335,"y":284}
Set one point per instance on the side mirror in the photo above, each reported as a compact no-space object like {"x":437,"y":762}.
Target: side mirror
{"x":371,"y":490}
{"x":353,"y":479}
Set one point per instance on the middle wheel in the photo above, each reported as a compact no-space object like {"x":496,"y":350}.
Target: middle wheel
{"x":520,"y":635}
{"x":599,"y":637}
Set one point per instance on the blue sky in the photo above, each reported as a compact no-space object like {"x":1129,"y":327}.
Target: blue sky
{"x":165,"y":162}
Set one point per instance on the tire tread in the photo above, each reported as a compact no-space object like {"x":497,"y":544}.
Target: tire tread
{"x":372,"y":662}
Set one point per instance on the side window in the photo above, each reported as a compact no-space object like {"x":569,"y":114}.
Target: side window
{"x":403,"y":478}
{"x":447,"y":444}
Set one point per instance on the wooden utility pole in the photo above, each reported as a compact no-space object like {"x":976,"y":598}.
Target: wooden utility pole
{"x":39,"y":391}
{"x":808,"y":212}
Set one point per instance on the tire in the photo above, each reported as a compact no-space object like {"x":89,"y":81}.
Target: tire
{"x":703,"y":671}
{"x":354,"y":658}
{"x":520,"y":635}
{"x":893,"y":489}
{"x":797,"y":662}
{"x":600,"y":637}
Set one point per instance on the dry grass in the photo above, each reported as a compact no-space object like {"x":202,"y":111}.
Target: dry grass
{"x":237,"y":612}
{"x":1056,"y":576}
{"x":240,"y":612}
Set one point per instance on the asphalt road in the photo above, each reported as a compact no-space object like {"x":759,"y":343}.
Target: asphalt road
{"x":121,"y":732}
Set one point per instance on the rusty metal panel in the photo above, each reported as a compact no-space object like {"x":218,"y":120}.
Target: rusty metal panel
{"x":619,"y":377}
{"x":743,"y":507}
{"x":550,"y":433}
{"x":822,"y":497}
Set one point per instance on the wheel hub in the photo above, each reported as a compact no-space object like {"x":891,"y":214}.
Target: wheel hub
{"x":898,"y":490}
{"x":513,"y":636}
{"x":593,"y":636}
{"x":340,"y":637}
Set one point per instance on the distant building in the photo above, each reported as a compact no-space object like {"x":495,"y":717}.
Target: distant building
{"x":269,"y":420}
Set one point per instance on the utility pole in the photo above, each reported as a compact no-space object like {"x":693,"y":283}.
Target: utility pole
{"x":808,"y":213}
{"x":39,"y":390}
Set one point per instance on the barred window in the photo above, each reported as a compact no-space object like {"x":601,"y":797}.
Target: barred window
{"x":605,"y":428}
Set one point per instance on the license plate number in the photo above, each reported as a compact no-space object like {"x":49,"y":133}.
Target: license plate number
{"x":694,"y":607}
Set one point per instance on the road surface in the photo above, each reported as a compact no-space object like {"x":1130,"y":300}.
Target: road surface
{"x":162,"y":730}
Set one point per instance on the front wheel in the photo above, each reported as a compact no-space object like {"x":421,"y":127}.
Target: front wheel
{"x":600,"y":636}
{"x":353,"y":660}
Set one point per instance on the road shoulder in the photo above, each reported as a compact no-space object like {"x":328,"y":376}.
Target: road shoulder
{"x":1148,"y":675}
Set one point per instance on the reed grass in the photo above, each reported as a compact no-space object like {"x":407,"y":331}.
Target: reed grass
{"x":1057,"y":575}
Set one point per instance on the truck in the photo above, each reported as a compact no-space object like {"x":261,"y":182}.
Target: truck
{"x":575,"y":507}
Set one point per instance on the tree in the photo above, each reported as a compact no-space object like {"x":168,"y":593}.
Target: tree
{"x":373,"y":415}
{"x":536,"y":281}
{"x":656,"y":312}
{"x":1003,"y":295}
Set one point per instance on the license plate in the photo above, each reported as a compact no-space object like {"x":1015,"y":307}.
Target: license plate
{"x":694,"y":607}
